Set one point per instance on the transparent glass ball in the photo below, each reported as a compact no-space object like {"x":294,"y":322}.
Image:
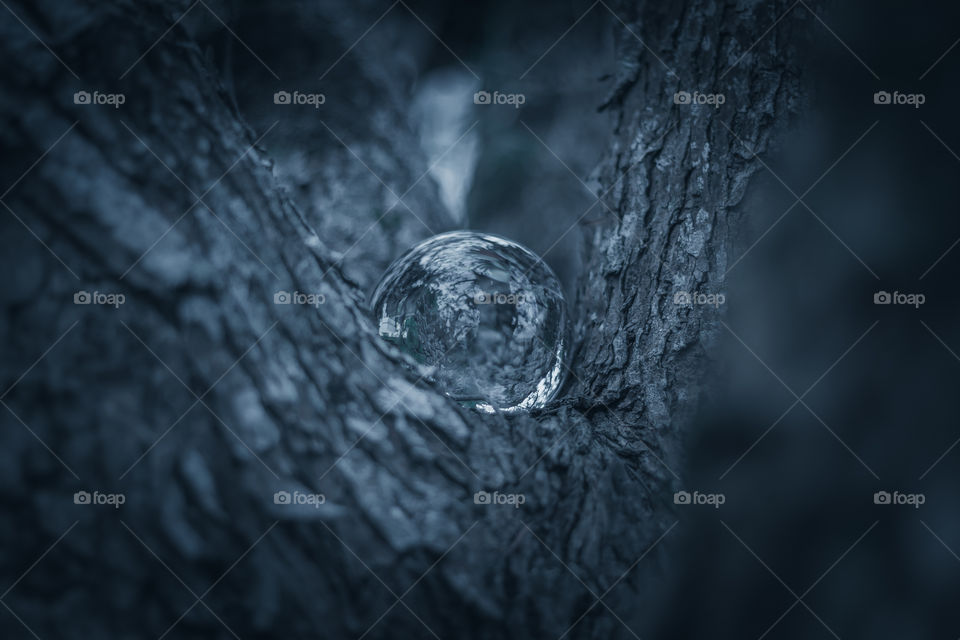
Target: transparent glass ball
{"x":485,"y":312}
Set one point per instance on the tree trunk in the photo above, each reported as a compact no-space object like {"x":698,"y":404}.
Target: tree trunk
{"x":199,"y":398}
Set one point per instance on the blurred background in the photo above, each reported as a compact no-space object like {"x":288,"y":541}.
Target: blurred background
{"x":520,"y":168}
{"x":881,"y":215}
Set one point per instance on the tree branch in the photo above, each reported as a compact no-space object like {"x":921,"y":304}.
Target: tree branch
{"x":199,"y":398}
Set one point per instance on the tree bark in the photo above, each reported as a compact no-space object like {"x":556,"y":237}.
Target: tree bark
{"x":199,"y":398}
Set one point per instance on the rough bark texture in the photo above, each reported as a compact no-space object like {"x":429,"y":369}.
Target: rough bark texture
{"x":223,"y":398}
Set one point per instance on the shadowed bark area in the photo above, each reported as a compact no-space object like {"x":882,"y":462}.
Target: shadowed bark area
{"x":199,"y":398}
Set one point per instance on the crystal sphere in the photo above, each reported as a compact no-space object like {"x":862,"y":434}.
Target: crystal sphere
{"x":485,"y":312}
